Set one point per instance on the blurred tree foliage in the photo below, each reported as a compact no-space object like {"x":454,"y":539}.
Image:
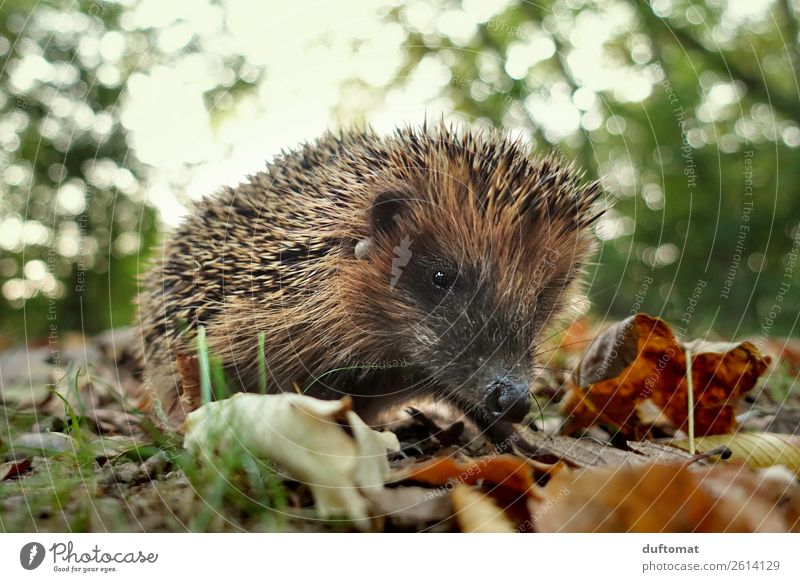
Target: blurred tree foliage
{"x":74,"y":220}
{"x":688,"y":110}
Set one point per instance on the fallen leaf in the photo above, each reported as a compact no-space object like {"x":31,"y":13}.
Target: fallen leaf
{"x":722,"y":373}
{"x":768,"y":498}
{"x":308,"y":438}
{"x":779,"y":486}
{"x":14,"y":468}
{"x":757,"y":450}
{"x":657,"y":497}
{"x":478,"y":513}
{"x":586,"y":452}
{"x":639,"y":359}
{"x":410,"y":507}
{"x":505,"y":471}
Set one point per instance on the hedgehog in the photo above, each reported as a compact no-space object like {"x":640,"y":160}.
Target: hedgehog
{"x":426,"y":263}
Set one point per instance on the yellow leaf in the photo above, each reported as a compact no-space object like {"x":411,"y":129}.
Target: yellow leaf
{"x":757,"y":450}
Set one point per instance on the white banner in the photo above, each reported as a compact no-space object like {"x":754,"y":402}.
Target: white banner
{"x":407,"y":557}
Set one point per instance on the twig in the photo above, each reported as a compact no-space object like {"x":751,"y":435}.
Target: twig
{"x":690,"y":400}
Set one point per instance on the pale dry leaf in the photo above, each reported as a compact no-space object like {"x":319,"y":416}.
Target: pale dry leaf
{"x":371,"y":444}
{"x":477,"y":513}
{"x":306,"y":437}
{"x":411,"y":507}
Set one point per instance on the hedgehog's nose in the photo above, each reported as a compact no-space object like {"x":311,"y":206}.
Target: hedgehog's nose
{"x":508,"y":399}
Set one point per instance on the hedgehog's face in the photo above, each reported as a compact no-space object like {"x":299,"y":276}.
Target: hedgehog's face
{"x":475,"y":347}
{"x":467,"y":296}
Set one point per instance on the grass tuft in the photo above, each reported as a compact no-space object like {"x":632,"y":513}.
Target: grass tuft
{"x":205,"y":367}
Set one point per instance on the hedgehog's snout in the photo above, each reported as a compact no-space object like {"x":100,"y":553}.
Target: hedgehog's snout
{"x":507,"y":398}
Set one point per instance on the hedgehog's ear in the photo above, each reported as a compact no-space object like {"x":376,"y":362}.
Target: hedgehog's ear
{"x":386,"y":208}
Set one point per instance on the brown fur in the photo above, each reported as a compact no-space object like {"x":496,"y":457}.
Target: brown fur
{"x":276,"y":254}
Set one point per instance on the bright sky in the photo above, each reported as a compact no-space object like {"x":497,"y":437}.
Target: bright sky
{"x":307,"y":49}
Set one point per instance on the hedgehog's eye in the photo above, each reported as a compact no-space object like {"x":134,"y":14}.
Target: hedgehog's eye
{"x":441,"y":279}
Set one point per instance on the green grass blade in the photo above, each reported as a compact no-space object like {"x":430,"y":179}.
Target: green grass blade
{"x":220,"y":383}
{"x":205,"y":368}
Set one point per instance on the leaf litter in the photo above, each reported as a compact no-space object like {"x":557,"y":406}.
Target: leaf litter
{"x":79,"y":444}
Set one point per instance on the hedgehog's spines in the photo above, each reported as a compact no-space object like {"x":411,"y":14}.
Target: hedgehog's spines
{"x":274,"y":251}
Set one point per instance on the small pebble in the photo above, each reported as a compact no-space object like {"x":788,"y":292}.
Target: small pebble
{"x":121,"y":473}
{"x":154,"y":466}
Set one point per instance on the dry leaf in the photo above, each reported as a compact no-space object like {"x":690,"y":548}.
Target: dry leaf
{"x":506,"y":471}
{"x":478,"y":513}
{"x":769,"y":498}
{"x":757,"y":450}
{"x":587,"y":452}
{"x":665,"y":498}
{"x":722,"y":373}
{"x":413,"y":508}
{"x":14,"y":468}
{"x":305,"y":436}
{"x":639,"y":359}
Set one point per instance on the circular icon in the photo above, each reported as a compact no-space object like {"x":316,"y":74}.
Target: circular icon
{"x":31,"y":555}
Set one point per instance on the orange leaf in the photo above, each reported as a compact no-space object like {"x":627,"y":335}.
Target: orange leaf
{"x":639,"y":359}
{"x":505,"y":471}
{"x":668,"y":498}
{"x":722,"y":373}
